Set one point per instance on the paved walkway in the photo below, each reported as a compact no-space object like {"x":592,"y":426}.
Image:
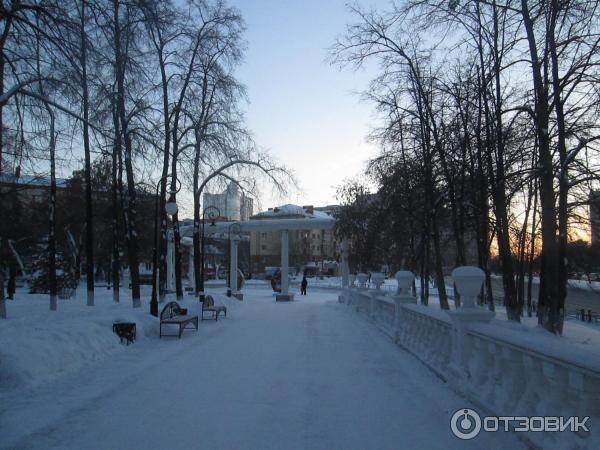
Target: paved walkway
{"x":310,"y":374}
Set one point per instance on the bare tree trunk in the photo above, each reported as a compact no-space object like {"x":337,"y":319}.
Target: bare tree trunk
{"x":523,"y":239}
{"x":177,"y":249}
{"x":197,"y":262}
{"x":7,"y":25}
{"x":501,"y":201}
{"x":52,"y":216}
{"x":563,"y":180}
{"x":2,"y":300}
{"x":439,"y":272}
{"x":162,"y":216}
{"x":115,"y":263}
{"x":532,"y":250}
{"x":130,"y":223}
{"x":425,"y":269}
{"x":3,"y":37}
{"x":176,"y":233}
{"x":549,"y":311}
{"x":162,"y":278}
{"x":89,"y":216}
{"x":481,"y":193}
{"x":129,"y":209}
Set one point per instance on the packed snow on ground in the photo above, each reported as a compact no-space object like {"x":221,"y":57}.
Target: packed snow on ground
{"x":308,"y":374}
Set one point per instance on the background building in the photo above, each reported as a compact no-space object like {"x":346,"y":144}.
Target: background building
{"x":25,"y":200}
{"x":232,"y":204}
{"x":311,"y":250}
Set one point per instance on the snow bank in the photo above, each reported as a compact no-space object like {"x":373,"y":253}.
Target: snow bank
{"x":37,"y":345}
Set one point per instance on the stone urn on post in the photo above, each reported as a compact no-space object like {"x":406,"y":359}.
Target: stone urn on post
{"x":362,"y":278}
{"x":377,"y":278}
{"x":469,"y":281}
{"x":405,"y":279}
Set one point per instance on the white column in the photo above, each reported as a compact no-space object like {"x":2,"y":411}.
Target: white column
{"x":345,"y":269}
{"x":284,"y":262}
{"x":233,"y":249}
{"x":191,"y":277}
{"x":170,"y":265}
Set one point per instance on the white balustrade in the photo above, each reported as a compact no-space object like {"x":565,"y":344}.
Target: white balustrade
{"x":492,"y":362}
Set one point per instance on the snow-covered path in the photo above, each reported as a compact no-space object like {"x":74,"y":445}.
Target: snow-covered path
{"x":302,"y":375}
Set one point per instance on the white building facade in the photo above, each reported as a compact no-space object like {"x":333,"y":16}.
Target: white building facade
{"x":231,"y":203}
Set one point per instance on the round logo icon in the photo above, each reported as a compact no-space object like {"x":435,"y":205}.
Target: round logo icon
{"x":465,"y":424}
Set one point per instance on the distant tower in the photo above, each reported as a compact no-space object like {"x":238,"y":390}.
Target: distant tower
{"x":232,"y":203}
{"x":246,"y":207}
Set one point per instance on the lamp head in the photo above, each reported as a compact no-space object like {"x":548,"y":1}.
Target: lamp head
{"x":171,"y":208}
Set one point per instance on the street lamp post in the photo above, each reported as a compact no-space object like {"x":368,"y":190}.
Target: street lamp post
{"x":213,"y":213}
{"x":170,"y":209}
{"x":237,"y":229}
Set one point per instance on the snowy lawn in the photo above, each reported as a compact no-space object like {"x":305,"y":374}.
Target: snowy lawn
{"x":300,"y":375}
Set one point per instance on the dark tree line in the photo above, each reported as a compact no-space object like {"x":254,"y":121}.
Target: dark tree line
{"x":147,"y":87}
{"x":488,"y":129}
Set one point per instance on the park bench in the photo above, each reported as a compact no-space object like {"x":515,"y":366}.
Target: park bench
{"x":173,"y":314}
{"x":208,"y":305}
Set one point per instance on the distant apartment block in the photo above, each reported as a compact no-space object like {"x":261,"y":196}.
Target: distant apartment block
{"x":231,"y":203}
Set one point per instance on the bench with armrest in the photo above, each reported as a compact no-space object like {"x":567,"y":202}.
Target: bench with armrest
{"x":173,"y":314}
{"x":208,"y":305}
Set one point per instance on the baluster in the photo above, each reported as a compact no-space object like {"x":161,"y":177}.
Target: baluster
{"x":480,"y":366}
{"x":555,"y":378}
{"x":495,"y":374}
{"x":445,"y":347}
{"x":534,"y":387}
{"x":513,"y":377}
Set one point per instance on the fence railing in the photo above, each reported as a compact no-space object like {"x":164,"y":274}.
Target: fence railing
{"x":505,"y":368}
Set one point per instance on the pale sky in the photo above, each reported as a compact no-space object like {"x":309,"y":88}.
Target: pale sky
{"x":305,"y":112}
{"x":302,"y":109}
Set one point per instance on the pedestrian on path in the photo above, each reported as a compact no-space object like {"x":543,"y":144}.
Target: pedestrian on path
{"x":303,"y":285}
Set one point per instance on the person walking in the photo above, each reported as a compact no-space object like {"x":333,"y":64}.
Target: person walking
{"x":303,"y":285}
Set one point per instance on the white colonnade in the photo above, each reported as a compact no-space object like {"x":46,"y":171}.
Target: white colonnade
{"x":261,"y":225}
